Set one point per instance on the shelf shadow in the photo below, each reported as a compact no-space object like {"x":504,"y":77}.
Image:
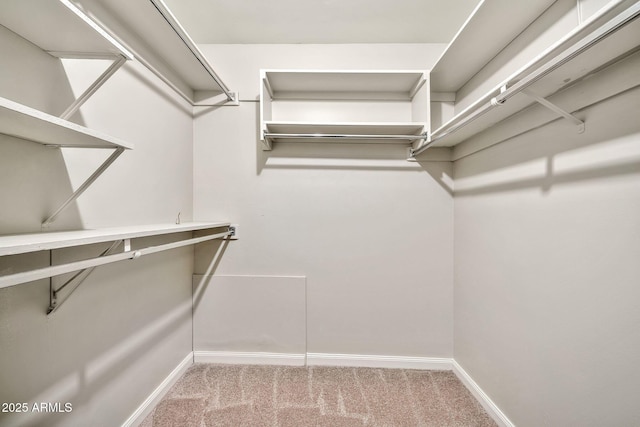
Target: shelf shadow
{"x":605,"y":149}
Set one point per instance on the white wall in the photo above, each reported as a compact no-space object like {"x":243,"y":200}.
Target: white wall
{"x":547,"y":238}
{"x":370,"y":231}
{"x":124,"y":330}
{"x":546,"y":242}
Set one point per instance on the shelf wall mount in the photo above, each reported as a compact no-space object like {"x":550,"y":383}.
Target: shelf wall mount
{"x":55,"y":298}
{"x":553,"y":107}
{"x":85,"y":185}
{"x":118,"y":61}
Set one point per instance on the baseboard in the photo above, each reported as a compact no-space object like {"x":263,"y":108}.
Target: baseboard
{"x":250,"y":358}
{"x":492,"y":409}
{"x":375,"y":361}
{"x":154,"y":398}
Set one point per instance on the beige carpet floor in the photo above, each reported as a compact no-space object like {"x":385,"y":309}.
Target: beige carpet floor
{"x":283,"y":396}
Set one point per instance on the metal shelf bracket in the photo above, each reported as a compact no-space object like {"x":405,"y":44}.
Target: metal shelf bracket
{"x":103,"y":167}
{"x":118,"y":62}
{"x":553,"y":107}
{"x":55,"y":302}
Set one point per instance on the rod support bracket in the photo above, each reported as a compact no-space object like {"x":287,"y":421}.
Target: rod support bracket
{"x":553,"y":107}
{"x":234,"y":99}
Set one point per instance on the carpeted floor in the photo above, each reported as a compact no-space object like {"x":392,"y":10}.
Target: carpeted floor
{"x":284,"y":396}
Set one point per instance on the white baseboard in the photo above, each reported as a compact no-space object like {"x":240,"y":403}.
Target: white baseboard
{"x":375,"y":361}
{"x":492,"y":409}
{"x":250,"y":358}
{"x":154,"y":398}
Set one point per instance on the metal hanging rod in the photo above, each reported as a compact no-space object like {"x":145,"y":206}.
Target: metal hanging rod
{"x":341,"y":136}
{"x":578,"y":48}
{"x":606,"y":30}
{"x":190,"y":44}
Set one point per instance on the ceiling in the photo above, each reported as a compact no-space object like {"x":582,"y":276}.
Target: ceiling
{"x":321,"y":21}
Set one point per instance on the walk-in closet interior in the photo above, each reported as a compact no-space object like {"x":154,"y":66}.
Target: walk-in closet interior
{"x":441,"y":190}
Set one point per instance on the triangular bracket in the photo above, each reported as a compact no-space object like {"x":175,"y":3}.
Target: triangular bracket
{"x":553,"y":107}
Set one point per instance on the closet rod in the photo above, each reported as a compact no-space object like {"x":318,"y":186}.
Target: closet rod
{"x":56,"y":270}
{"x":190,"y":44}
{"x":603,"y":32}
{"x":341,"y":136}
{"x":578,"y":48}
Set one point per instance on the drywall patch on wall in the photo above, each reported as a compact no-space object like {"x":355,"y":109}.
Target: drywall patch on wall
{"x":249,"y":314}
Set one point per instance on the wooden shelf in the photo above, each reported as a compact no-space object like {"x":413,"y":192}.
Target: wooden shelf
{"x":54,"y":27}
{"x":26,"y":243}
{"x":308,"y":84}
{"x":28,"y":123}
{"x":490,"y":27}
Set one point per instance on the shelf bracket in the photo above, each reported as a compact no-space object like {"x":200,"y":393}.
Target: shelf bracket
{"x":77,"y":279}
{"x":266,"y":141}
{"x":115,"y":66}
{"x":417,"y":87}
{"x":103,"y":167}
{"x":553,"y":107}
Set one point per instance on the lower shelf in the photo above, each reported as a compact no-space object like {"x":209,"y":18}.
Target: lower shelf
{"x":33,"y":242}
{"x":21,"y":244}
{"x":362,"y":133}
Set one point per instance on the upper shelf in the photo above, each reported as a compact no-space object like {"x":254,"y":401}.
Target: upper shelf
{"x":491,"y":26}
{"x":27,"y":123}
{"x":55,"y":26}
{"x":157,"y":39}
{"x":604,"y":39}
{"x":302,"y":84}
{"x":26,"y":243}
{"x":146,"y":27}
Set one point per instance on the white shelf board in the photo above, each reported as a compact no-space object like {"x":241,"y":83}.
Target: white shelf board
{"x":28,"y":123}
{"x":491,"y":27}
{"x":140,"y":25}
{"x":53,"y":27}
{"x":346,"y":128}
{"x":377,"y":128}
{"x":285,"y":83}
{"x":33,"y":242}
{"x":615,"y":47}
